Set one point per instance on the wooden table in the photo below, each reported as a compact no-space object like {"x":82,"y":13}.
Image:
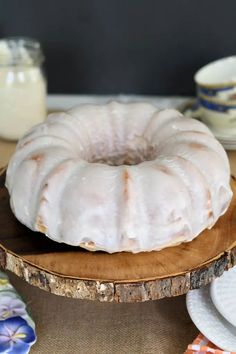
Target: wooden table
{"x":6,"y":150}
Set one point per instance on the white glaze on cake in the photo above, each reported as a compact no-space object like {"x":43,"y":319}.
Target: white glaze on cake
{"x":119,"y":177}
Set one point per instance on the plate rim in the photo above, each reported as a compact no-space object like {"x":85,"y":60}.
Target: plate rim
{"x":198,"y":323}
{"x":221,"y":308}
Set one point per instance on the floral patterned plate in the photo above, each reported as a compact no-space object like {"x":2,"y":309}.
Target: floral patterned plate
{"x":17,"y":329}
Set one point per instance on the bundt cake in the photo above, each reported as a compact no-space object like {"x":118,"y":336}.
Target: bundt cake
{"x":119,"y":177}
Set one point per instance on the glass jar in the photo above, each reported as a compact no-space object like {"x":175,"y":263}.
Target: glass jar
{"x":22,"y":86}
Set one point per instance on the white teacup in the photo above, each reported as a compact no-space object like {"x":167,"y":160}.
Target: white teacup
{"x":216,"y":93}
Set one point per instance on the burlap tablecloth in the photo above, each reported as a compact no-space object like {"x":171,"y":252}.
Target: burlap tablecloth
{"x":68,"y":326}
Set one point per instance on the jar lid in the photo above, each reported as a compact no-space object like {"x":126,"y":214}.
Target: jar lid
{"x":20,"y":51}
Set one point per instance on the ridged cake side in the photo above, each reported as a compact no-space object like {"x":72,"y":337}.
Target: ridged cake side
{"x":176,"y":186}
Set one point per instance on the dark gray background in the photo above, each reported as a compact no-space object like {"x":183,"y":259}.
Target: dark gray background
{"x":124,"y":46}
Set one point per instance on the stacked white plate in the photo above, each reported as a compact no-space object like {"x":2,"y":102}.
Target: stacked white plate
{"x":213,"y":310}
{"x":227,"y":140}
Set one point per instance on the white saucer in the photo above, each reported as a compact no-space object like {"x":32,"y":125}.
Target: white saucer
{"x":227,"y":140}
{"x":223,"y":295}
{"x":209,"y":321}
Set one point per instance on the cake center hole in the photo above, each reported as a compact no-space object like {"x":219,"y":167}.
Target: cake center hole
{"x":129,"y":157}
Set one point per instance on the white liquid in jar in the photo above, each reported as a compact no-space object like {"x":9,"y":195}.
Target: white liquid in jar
{"x":22,"y":95}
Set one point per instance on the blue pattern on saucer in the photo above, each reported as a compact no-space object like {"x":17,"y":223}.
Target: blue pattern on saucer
{"x":212,"y":91}
{"x":215,"y":106}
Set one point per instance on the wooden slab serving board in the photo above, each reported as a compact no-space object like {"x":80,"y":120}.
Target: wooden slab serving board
{"x":121,"y":277}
